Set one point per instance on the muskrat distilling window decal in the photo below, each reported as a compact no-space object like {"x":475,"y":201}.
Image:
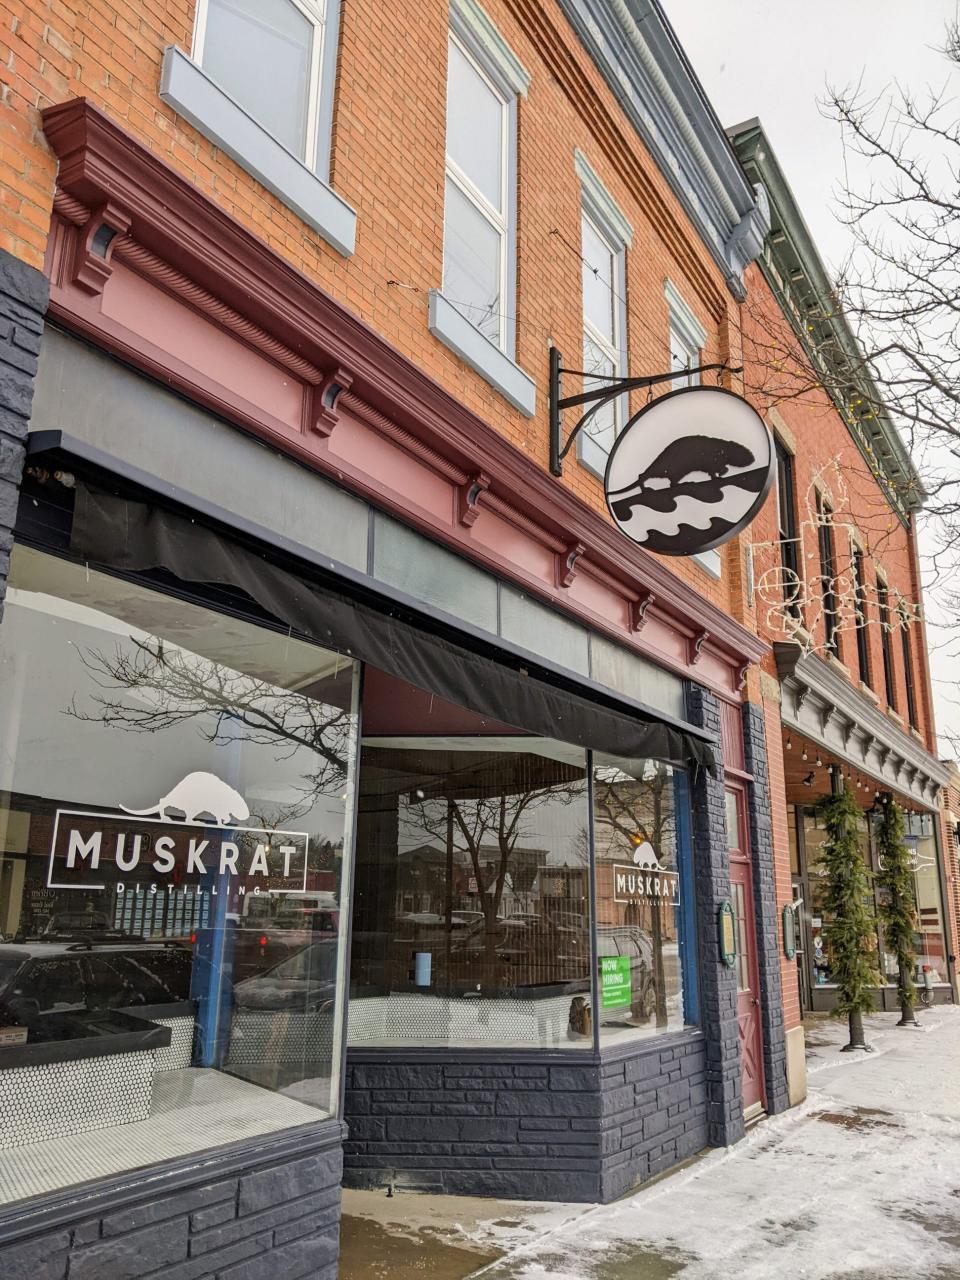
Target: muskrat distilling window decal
{"x":191,"y":841}
{"x":689,"y":471}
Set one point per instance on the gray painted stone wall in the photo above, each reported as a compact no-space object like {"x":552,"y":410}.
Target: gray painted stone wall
{"x":654,"y":1110}
{"x":521,"y":1126}
{"x":718,"y":984}
{"x":23,"y":304}
{"x":766,"y":909}
{"x":524,"y":1126}
{"x":229,"y":1217}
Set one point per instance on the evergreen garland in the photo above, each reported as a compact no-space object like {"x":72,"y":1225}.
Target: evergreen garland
{"x":898,"y":909}
{"x":851,"y":931}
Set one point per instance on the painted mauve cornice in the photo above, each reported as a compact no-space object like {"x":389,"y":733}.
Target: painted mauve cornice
{"x":100,"y":162}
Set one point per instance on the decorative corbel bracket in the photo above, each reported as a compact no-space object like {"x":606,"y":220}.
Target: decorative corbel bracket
{"x":826,"y":711}
{"x":326,"y":396}
{"x":800,"y":697}
{"x":742,"y":676}
{"x":567,"y":563}
{"x":92,"y":258}
{"x":468,"y":498}
{"x":696,"y":646}
{"x":638,"y":610}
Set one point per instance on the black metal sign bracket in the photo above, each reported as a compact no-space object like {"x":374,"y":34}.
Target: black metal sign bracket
{"x":597,"y":397}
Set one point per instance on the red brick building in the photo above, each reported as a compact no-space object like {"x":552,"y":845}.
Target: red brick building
{"x":294,"y":598}
{"x":836,"y":586}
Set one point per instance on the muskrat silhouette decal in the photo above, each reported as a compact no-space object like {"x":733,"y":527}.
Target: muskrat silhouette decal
{"x":689,"y":471}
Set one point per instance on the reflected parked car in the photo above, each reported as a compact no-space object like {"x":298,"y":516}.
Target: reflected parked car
{"x":302,"y":982}
{"x":60,"y":977}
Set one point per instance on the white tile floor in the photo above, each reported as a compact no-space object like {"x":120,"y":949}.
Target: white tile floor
{"x":193,"y":1110}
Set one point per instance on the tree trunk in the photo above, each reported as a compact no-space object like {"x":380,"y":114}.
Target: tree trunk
{"x":907,"y":1016}
{"x":856,"y":1033}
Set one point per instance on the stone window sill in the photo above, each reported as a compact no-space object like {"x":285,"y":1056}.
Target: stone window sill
{"x":190,"y":91}
{"x":465,"y":340}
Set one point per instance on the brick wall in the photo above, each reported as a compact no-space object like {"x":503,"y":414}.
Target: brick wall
{"x":388,"y":162}
{"x":768,"y":895}
{"x":524,"y":1126}
{"x":23,"y":302}
{"x":718,"y":984}
{"x":228,"y":1217}
{"x":813,"y":430}
{"x":654,"y":1110}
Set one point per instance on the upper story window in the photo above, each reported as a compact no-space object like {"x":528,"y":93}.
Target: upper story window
{"x":860,"y":611}
{"x":787,"y":530}
{"x":883,"y":609}
{"x":602,"y":269}
{"x":687,"y":339}
{"x":908,"y":669}
{"x":268,"y":56}
{"x":474,"y":311}
{"x":828,"y":574}
{"x":605,"y":235}
{"x":476,"y":247}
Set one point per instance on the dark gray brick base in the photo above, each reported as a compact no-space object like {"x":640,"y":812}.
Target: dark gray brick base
{"x":524,"y":1126}
{"x":520,"y":1126}
{"x":718,"y":984}
{"x":23,"y":304}
{"x":766,"y":908}
{"x":654,"y":1110}
{"x":264,"y":1211}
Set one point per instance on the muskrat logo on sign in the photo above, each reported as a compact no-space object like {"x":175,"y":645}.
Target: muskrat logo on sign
{"x":198,"y":794}
{"x":689,"y":471}
{"x":191,"y":839}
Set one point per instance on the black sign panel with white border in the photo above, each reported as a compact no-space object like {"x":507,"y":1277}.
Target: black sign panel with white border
{"x":689,"y":471}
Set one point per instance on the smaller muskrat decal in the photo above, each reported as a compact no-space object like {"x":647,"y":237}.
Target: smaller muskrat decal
{"x":195,"y":795}
{"x":646,"y":858}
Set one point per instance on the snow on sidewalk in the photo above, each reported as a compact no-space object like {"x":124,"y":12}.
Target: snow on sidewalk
{"x":862,"y":1180}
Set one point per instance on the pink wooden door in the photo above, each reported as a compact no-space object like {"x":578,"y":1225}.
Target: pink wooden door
{"x":748,"y":978}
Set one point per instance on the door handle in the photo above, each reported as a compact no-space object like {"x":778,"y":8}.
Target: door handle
{"x":755,"y":1000}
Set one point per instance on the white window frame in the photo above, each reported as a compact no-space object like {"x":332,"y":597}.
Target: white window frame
{"x":316,"y":148}
{"x":499,"y":219}
{"x":599,"y":208}
{"x":592,"y":453}
{"x":689,"y":332}
{"x":482,"y":43}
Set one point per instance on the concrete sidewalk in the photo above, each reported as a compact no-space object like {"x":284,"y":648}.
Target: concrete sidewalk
{"x":862,"y":1182}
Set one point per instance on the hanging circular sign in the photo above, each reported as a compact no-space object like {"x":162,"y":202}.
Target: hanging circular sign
{"x":689,"y":471}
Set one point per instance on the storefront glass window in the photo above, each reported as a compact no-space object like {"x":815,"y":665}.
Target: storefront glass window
{"x":814,"y":836}
{"x":175,"y":787}
{"x":931,"y":946}
{"x":472,"y":915}
{"x":645,"y":933}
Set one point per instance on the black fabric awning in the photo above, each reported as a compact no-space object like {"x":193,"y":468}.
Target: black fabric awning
{"x":128,"y":535}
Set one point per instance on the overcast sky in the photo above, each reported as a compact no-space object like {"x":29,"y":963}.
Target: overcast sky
{"x":774,"y":59}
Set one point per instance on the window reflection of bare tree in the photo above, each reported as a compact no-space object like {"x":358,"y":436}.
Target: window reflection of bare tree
{"x":148,"y":687}
{"x":488,"y":806}
{"x":628,"y":811}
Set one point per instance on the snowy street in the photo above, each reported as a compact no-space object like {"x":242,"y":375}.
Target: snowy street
{"x":861,"y":1182}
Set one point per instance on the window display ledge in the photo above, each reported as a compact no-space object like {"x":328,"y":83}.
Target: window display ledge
{"x":69,"y":1197}
{"x":129,"y":1034}
{"x":496,"y":1054}
{"x":654,"y":1044}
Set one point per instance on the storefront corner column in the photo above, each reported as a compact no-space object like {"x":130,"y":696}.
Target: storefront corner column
{"x":718,"y":985}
